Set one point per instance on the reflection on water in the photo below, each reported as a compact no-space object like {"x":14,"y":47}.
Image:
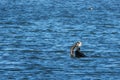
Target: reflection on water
{"x":35,"y":39}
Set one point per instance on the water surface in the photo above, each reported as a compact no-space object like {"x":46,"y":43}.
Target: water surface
{"x":36,"y":36}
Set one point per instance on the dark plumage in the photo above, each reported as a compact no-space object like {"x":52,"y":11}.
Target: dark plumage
{"x":75,"y":50}
{"x":78,"y":53}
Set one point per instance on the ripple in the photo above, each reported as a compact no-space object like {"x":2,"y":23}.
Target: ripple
{"x":36,"y":36}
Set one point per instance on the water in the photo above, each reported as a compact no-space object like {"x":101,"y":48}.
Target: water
{"x":36,"y":36}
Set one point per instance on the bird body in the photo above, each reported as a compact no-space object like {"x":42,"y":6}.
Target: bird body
{"x":76,"y":53}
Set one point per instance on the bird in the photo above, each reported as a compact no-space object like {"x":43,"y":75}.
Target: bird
{"x":75,"y":50}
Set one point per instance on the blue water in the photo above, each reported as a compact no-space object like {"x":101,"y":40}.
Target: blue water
{"x":36,"y":36}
